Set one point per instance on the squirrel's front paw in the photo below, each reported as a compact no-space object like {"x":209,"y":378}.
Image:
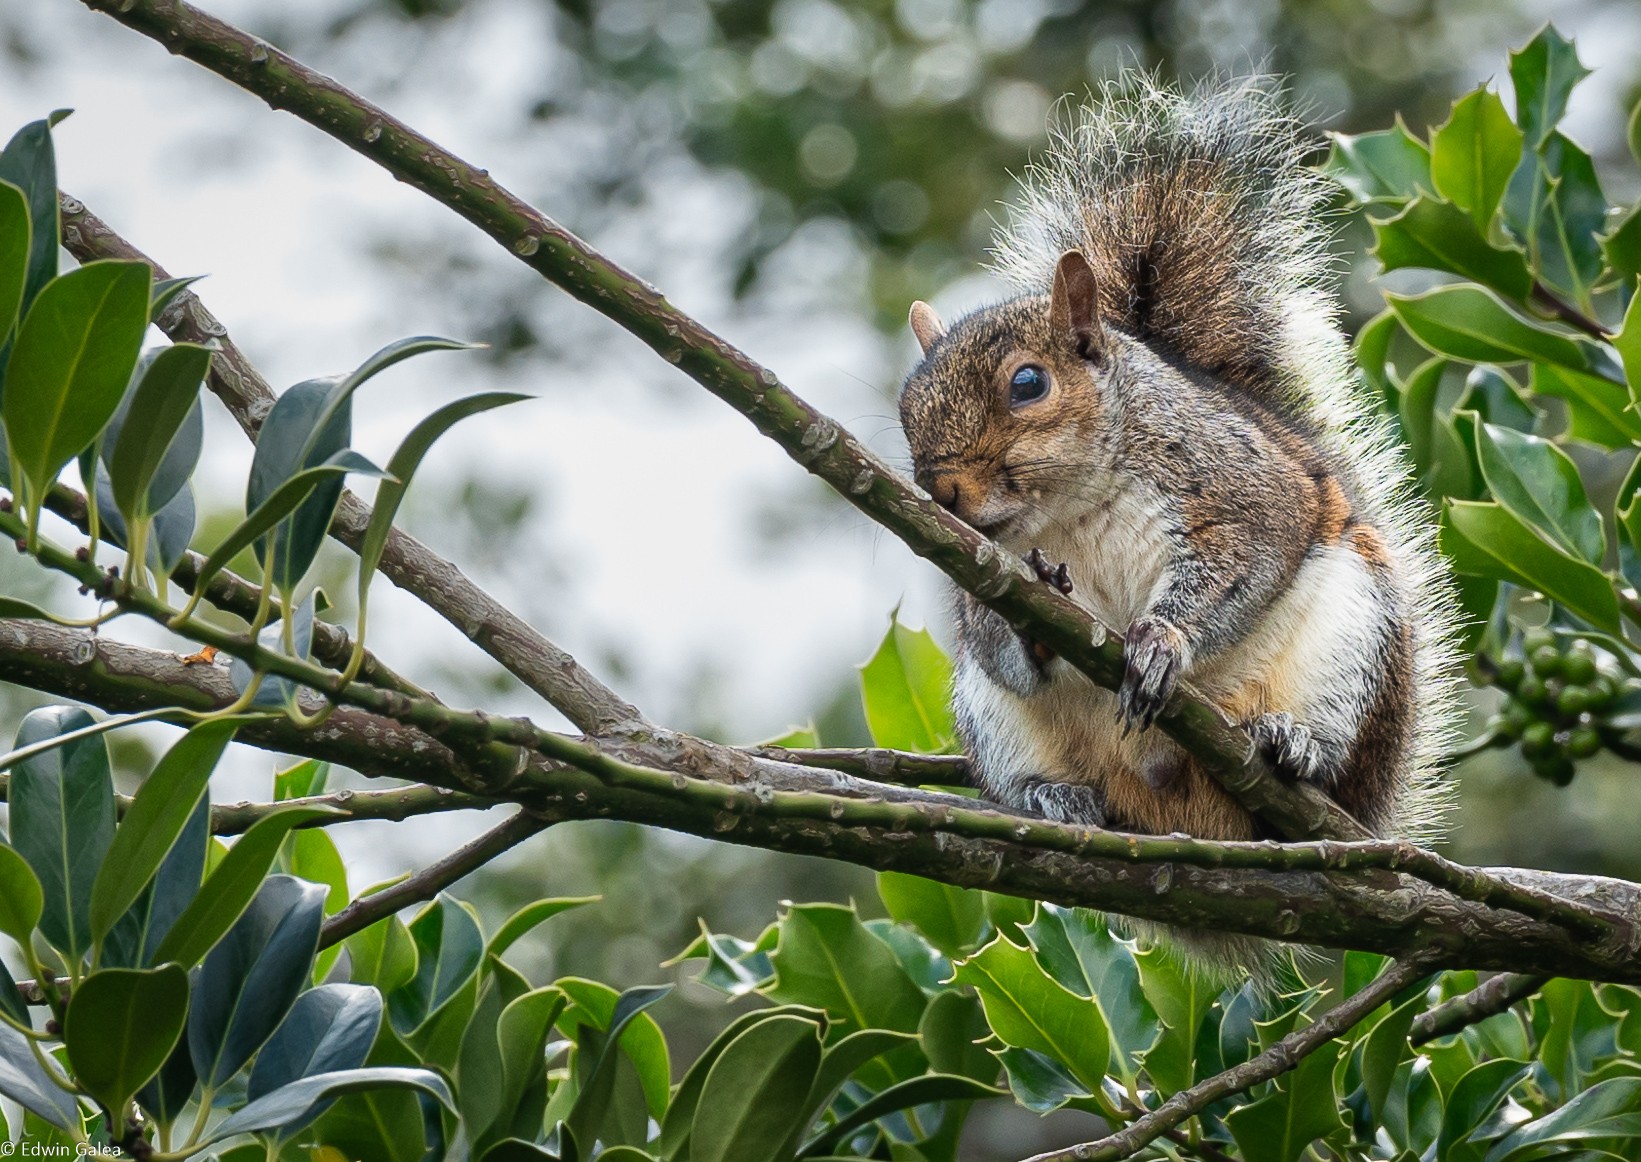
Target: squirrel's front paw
{"x":1056,"y":575}
{"x":1153,"y":656}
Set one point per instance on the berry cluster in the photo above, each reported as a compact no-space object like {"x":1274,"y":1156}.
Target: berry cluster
{"x":1556,"y":696}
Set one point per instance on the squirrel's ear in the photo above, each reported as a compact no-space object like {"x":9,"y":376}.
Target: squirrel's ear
{"x":1074,"y":306}
{"x":926,"y":325}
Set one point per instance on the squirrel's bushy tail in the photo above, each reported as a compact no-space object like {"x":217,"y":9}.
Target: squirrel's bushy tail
{"x":1196,"y":214}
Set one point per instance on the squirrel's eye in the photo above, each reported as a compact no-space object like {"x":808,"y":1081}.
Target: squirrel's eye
{"x":1029,"y":384}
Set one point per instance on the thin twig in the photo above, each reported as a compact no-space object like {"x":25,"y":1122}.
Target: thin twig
{"x":817,"y":442}
{"x":1558,"y":308}
{"x":1285,"y":1055}
{"x":506,"y":637}
{"x":433,"y":879}
{"x":1488,"y":999}
{"x":394,"y":805}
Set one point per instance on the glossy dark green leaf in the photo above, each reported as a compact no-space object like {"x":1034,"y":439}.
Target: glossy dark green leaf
{"x":1182,"y":1000}
{"x":906,"y":690}
{"x":24,"y":1081}
{"x":1372,"y":349}
{"x":679,"y":1119}
{"x":11,"y":607}
{"x":1077,"y":949}
{"x":1473,"y":154}
{"x":1303,"y":1107}
{"x":1469,"y":323}
{"x":62,"y":821}
{"x":1384,"y":1049}
{"x":1540,"y":484}
{"x":842,"y":1058}
{"x":518,"y":1150}
{"x":1494,"y":396}
{"x":1029,"y":1009}
{"x":1473,"y":1098}
{"x":252,"y":977}
{"x":228,"y":892}
{"x":752,"y":1105}
{"x":171,"y":530}
{"x":598,"y":1057}
{"x":29,"y":163}
{"x":384,"y":1125}
{"x":15,"y":237}
{"x":294,"y":1102}
{"x":1436,"y":236}
{"x":122,"y":1024}
{"x":1598,"y":410}
{"x":289,"y":444}
{"x":70,"y":365}
{"x":1628,"y":345}
{"x":1621,"y":246}
{"x":449,"y":949}
{"x":154,"y":821}
{"x":734,"y":966}
{"x":828,"y":959}
{"x":165,"y":293}
{"x":1488,"y":540}
{"x":383,"y":955}
{"x":1555,"y":207}
{"x":165,"y":398}
{"x":403,"y":465}
{"x":521,"y":1038}
{"x":1544,"y":72}
{"x":21,"y":900}
{"x":1608,"y":1108}
{"x":479,"y":1066}
{"x":952,"y":919}
{"x":1388,"y":166}
{"x":933,"y":1087}
{"x":279,"y":504}
{"x":329,"y":1028}
{"x":166,"y":1096}
{"x":528,"y":917}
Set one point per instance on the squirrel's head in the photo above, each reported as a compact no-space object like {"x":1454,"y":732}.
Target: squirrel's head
{"x":1005,"y":411}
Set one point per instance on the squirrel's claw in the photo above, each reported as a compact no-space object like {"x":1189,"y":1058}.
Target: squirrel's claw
{"x":1057,"y":576}
{"x":1286,"y":746}
{"x":1152,"y":660}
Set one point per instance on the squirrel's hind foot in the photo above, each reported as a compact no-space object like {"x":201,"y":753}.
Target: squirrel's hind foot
{"x":1287,"y":746}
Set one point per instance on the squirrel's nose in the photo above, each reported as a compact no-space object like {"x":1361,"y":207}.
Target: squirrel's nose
{"x":950,"y":494}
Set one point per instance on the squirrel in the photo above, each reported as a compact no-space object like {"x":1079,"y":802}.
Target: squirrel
{"x":1165,"y":422}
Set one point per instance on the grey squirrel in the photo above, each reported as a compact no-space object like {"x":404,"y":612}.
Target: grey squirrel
{"x":1165,"y":422}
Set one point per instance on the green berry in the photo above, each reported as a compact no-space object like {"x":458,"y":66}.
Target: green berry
{"x":1509,"y":673}
{"x":1538,"y":740}
{"x":1572,"y":701}
{"x":1546,"y":661}
{"x":1537,"y":639}
{"x":1600,"y":691}
{"x":1583,"y":741}
{"x":1579,"y":666}
{"x":1532,"y":691}
{"x":1511,"y":719}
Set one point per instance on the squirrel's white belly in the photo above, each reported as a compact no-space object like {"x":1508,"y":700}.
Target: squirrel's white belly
{"x":1116,"y":555}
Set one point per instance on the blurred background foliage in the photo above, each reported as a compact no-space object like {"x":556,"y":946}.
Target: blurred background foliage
{"x":804,"y":168}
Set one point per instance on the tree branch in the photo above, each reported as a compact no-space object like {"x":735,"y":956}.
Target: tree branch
{"x":506,"y":637}
{"x":886,"y":766}
{"x":1492,"y":997}
{"x":814,"y":440}
{"x":431,"y":880}
{"x":825,"y":813}
{"x":1285,"y":1055}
